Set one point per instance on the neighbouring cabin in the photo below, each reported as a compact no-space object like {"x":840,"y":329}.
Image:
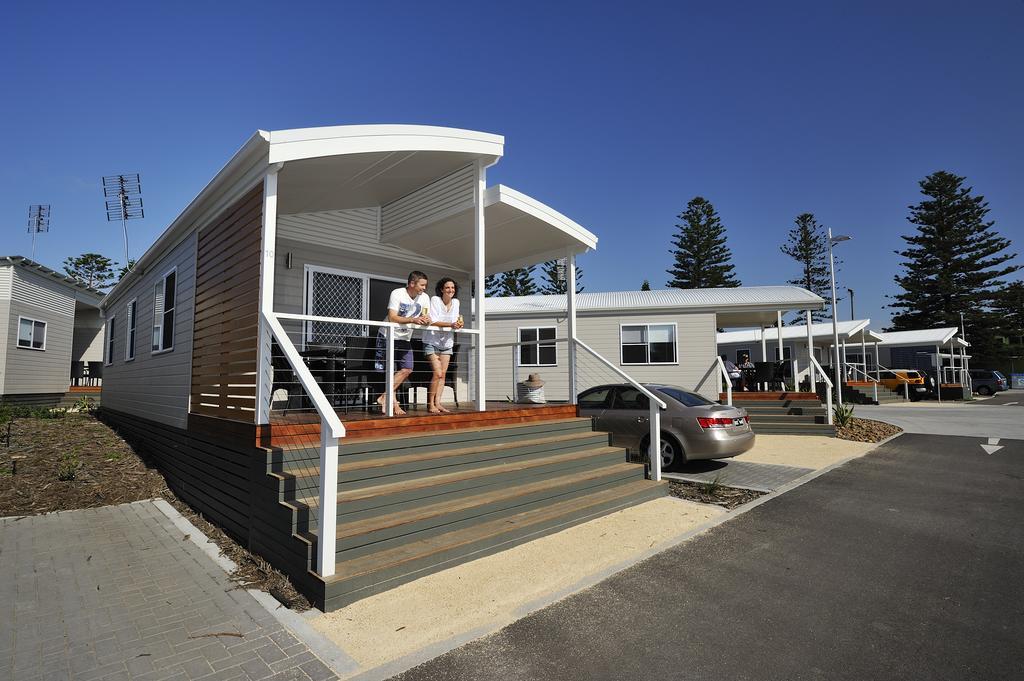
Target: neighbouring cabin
{"x":52,"y":350}
{"x":246,"y":350}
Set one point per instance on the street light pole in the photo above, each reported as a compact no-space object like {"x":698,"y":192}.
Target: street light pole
{"x":838,"y":373}
{"x":850,"y":291}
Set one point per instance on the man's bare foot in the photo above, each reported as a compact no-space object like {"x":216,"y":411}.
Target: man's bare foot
{"x":443,"y":410}
{"x":399,"y":411}
{"x":435,"y":410}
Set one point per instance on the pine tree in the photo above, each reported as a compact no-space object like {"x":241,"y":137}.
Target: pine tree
{"x":702,"y":259}
{"x":1009,"y":312}
{"x":92,"y":269}
{"x":553,"y":277}
{"x":518,"y":282}
{"x":807,"y":243}
{"x":952,"y":264}
{"x":646,"y":286}
{"x":492,"y":285}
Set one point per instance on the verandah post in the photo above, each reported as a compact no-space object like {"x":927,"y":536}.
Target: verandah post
{"x":810,"y":352}
{"x":479,"y":266}
{"x":327,"y":522}
{"x":570,"y":295}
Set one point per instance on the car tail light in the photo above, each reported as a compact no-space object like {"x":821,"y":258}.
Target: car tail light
{"x":706,"y":422}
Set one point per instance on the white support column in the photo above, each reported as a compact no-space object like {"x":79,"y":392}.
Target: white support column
{"x":479,"y":264}
{"x":778,"y":332}
{"x":864,"y":354}
{"x":878,"y":372}
{"x":764,"y":347}
{"x":389,"y":371}
{"x":810,"y":353}
{"x":265,"y":375}
{"x":938,"y":374}
{"x":328,"y":498}
{"x":570,"y":299}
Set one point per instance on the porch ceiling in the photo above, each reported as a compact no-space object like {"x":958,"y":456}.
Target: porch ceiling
{"x":519,"y":231}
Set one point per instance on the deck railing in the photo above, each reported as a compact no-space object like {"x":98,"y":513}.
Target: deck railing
{"x":874,"y":381}
{"x":721,"y":374}
{"x":828,"y":389}
{"x":591,"y":369}
{"x":312,"y":362}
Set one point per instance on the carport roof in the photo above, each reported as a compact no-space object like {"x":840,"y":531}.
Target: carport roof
{"x":734,"y":306}
{"x":848,"y":330}
{"x":919,"y":336}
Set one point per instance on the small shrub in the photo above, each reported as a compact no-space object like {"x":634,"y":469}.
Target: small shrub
{"x":113,"y":456}
{"x":711,"y":487}
{"x":842,"y":415}
{"x":86,"y":405}
{"x":68,"y":467}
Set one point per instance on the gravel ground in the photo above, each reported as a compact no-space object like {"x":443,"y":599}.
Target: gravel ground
{"x":866,"y":430}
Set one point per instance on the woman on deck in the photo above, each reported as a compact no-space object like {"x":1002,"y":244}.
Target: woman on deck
{"x":438,"y":345}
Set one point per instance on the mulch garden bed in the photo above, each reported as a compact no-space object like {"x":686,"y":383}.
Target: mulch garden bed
{"x":867,"y":430}
{"x":712,"y":493}
{"x":75,"y":461}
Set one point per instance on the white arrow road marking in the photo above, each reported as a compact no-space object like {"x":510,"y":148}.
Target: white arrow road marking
{"x":1007,"y":404}
{"x":993,"y":440}
{"x":991,"y":449}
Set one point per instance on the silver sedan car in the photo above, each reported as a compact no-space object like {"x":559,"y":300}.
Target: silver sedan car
{"x":692,"y":427}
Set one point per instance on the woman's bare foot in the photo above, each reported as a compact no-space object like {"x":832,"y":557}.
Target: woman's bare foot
{"x":435,"y":410}
{"x":398,"y":410}
{"x":443,"y":410}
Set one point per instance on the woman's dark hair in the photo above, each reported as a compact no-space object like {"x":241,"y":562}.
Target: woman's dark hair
{"x":438,"y":290}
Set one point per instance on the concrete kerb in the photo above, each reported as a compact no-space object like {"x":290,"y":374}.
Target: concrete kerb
{"x":346,"y":667}
{"x":318,"y":644}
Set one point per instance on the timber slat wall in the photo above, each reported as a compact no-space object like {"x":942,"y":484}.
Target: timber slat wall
{"x":226,"y":329}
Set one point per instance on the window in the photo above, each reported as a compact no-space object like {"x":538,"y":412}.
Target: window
{"x":163,"y":313}
{"x":787,"y":352}
{"x":648,"y":343}
{"x":740,"y":354}
{"x":540,"y":354}
{"x":685,"y":398}
{"x":129,"y":341}
{"x":595,"y":398}
{"x":31,"y":334}
{"x":110,"y":340}
{"x":630,"y":398}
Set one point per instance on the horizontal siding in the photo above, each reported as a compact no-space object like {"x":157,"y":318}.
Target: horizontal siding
{"x":44,"y":292}
{"x":5,"y":320}
{"x":35,"y":371}
{"x":88,"y":338}
{"x":353,"y":231}
{"x":447,"y":196}
{"x":6,"y":275}
{"x":695,"y":350}
{"x":151,"y":386}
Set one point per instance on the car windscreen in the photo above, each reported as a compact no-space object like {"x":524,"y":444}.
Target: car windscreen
{"x":999,"y":375}
{"x":687,"y":399}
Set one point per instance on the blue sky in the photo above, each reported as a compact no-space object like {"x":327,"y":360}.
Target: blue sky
{"x":614,"y":116}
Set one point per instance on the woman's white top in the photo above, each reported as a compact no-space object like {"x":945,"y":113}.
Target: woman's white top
{"x":442,"y":340}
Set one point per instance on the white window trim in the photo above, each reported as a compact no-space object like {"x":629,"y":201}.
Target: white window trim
{"x":739,"y":352}
{"x":519,"y":348}
{"x":17,"y":334}
{"x":133,"y":316}
{"x":785,"y":346}
{"x":163,"y":283}
{"x":675,"y":343}
{"x":108,"y":342}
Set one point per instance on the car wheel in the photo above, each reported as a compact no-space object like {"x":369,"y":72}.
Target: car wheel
{"x":671,"y":453}
{"x":984,"y":390}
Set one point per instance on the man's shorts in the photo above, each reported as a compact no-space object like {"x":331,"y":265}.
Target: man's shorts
{"x":403,"y":354}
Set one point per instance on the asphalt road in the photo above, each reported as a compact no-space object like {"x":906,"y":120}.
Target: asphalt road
{"x":904,"y":564}
{"x":1007,"y":397}
{"x":982,"y":419}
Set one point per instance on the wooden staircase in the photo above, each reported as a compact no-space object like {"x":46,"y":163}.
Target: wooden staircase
{"x":863,"y":392}
{"x":412,"y":504}
{"x":784,"y":413}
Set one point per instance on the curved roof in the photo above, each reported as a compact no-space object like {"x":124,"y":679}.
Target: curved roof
{"x":339,"y":140}
{"x":723,"y":301}
{"x":847,"y":330}
{"x":86,"y":295}
{"x":939,"y":336}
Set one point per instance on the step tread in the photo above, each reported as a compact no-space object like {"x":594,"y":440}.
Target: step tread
{"x":403,"y":517}
{"x":354,"y":567}
{"x":506,"y":466}
{"x":384,"y":461}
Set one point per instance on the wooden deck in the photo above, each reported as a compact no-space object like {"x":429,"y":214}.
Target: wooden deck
{"x":760,"y":396}
{"x":303,"y":428}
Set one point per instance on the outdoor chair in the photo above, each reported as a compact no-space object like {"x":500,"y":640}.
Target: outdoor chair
{"x":763,"y":373}
{"x":95,"y":375}
{"x":779,"y":375}
{"x":362,"y":380}
{"x":77,"y":372}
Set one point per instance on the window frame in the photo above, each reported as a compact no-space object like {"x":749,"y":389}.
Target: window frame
{"x":131,"y":313}
{"x":739,"y":353}
{"x":648,"y":325}
{"x":553,"y":345}
{"x":108,"y":345}
{"x":163,"y":315}
{"x":17,"y":336}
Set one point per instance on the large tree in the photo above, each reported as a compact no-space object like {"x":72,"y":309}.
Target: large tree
{"x":1009,"y":314}
{"x":92,"y":269}
{"x":807,"y":243}
{"x":645,"y":286}
{"x":702,"y":258}
{"x":553,"y":277}
{"x":518,"y":282}
{"x":953,"y":263}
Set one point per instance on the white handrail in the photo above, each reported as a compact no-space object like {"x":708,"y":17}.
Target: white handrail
{"x":369,"y":322}
{"x":906,"y":383}
{"x":534,"y":342}
{"x":728,"y":380}
{"x":331,"y":429}
{"x":655,"y":405}
{"x":869,"y":377}
{"x":828,"y":390}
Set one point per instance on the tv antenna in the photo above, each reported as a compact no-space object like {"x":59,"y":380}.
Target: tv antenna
{"x":124,"y":202}
{"x":38,"y":222}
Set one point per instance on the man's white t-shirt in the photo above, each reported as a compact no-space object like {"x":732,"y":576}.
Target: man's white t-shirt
{"x":442,"y":340}
{"x":405,"y":306}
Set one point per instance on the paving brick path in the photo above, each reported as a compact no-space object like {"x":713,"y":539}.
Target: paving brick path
{"x":764,"y":477}
{"x":121,"y":593}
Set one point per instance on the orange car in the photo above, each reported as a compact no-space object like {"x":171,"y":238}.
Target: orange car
{"x":894,"y":379}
